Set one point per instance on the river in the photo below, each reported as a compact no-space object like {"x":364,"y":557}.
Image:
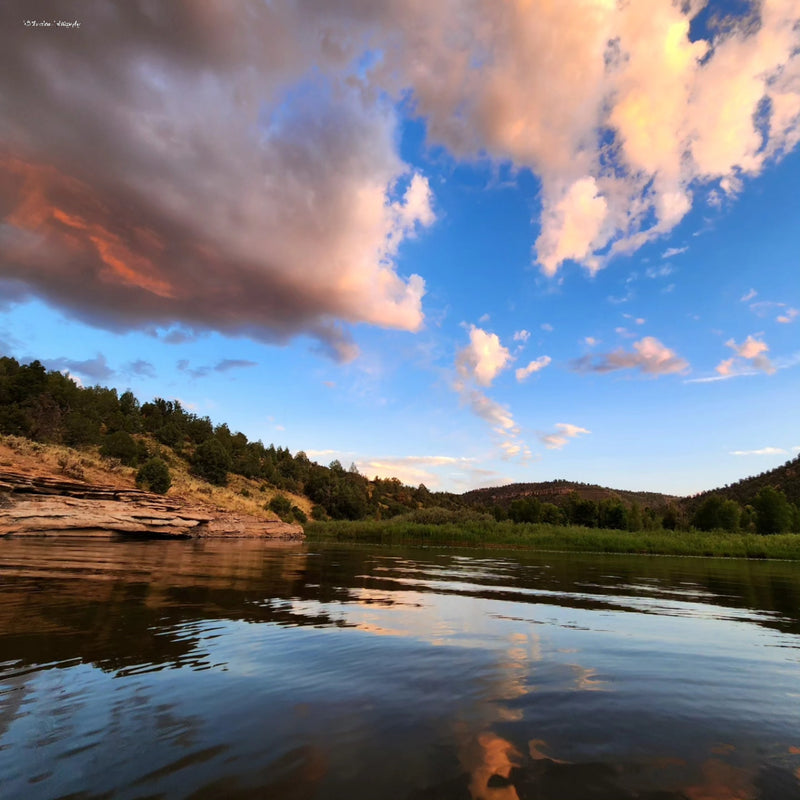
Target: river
{"x":240,"y":669}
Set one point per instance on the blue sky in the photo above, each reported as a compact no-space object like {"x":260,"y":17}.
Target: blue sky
{"x":544,"y":245}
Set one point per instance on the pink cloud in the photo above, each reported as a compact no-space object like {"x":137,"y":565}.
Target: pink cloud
{"x":649,"y":356}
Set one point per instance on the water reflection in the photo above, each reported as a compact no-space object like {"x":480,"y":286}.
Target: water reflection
{"x":235,"y":669}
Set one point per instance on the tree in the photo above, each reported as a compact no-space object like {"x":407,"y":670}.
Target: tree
{"x":211,"y":462}
{"x":773,"y":512}
{"x":280,"y":505}
{"x":120,"y":445}
{"x":154,"y":475}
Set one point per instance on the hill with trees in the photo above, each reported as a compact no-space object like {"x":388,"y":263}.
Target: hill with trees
{"x":159,"y":439}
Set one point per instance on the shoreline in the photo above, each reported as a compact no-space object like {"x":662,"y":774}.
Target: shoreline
{"x":538,"y":537}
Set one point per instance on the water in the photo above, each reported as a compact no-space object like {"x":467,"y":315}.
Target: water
{"x":207,"y":669}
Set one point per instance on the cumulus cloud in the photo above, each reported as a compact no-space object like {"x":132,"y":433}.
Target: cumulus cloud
{"x":483,"y":358}
{"x":522,"y":336}
{"x":534,"y":366}
{"x":562,"y":434}
{"x":478,"y":364}
{"x":649,"y":356}
{"x":237,"y":168}
{"x":751,"y":350}
{"x":790,"y":315}
{"x":187,"y":164}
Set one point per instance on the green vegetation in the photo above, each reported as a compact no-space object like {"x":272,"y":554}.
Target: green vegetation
{"x":487,"y":532}
{"x":154,"y":475}
{"x":748,"y":518}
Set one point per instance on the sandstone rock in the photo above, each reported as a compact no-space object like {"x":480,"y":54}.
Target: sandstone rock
{"x":31,"y":504}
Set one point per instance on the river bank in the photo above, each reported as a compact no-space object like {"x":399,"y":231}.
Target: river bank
{"x":39,"y":505}
{"x":544,"y":537}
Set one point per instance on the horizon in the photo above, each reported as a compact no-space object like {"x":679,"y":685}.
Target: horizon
{"x":369,"y":235}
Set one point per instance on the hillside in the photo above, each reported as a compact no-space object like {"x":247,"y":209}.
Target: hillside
{"x":786,"y":478}
{"x":558,"y":493}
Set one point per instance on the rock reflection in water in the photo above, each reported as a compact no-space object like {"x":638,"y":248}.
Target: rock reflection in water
{"x":242,"y":670}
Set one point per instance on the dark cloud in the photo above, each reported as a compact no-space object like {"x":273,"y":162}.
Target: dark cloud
{"x":95,"y":369}
{"x":152,"y":172}
{"x":228,"y":364}
{"x":193,"y":372}
{"x":143,"y":368}
{"x":12,"y":292}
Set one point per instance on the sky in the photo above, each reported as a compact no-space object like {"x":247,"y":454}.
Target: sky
{"x":462,"y":243}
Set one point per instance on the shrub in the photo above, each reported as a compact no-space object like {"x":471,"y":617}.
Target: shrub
{"x":154,"y":476}
{"x":120,"y":445}
{"x":211,"y":462}
{"x":299,"y":515}
{"x":281,"y":505}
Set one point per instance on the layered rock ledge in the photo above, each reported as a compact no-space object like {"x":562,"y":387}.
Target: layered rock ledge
{"x":40,"y":505}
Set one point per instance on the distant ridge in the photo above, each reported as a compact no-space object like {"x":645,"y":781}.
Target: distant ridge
{"x":558,"y":491}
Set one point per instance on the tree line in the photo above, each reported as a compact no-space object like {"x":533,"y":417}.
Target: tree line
{"x":48,"y":406}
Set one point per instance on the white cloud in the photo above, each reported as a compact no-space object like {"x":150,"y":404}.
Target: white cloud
{"x":790,"y":315}
{"x":764,"y":451}
{"x":563,"y":433}
{"x":522,"y":336}
{"x":572,"y":226}
{"x":483,"y":358}
{"x":673,"y":251}
{"x":546,"y":326}
{"x":659,"y":272}
{"x":748,"y":296}
{"x":534,"y":366}
{"x":591,"y":341}
{"x":413,"y":470}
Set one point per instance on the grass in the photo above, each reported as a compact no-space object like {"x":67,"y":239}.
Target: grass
{"x":489,"y":534}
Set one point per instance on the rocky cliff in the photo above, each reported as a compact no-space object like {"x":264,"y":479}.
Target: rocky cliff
{"x":40,"y":505}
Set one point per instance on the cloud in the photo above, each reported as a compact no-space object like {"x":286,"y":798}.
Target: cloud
{"x":95,"y":369}
{"x":478,"y":364}
{"x":11,"y":293}
{"x":522,"y":336}
{"x":752,"y":350}
{"x":142,"y":367}
{"x":563,"y":433}
{"x":547,"y":327}
{"x":764,"y":451}
{"x":790,"y":315}
{"x":649,"y":356}
{"x":264,"y":199}
{"x":228,"y":364}
{"x":673,"y":251}
{"x":591,"y":341}
{"x":534,"y":366}
{"x":572,"y":226}
{"x":413,"y":470}
{"x":659,"y":272}
{"x":239,"y":169}
{"x":483,"y":358}
{"x":748,"y":296}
